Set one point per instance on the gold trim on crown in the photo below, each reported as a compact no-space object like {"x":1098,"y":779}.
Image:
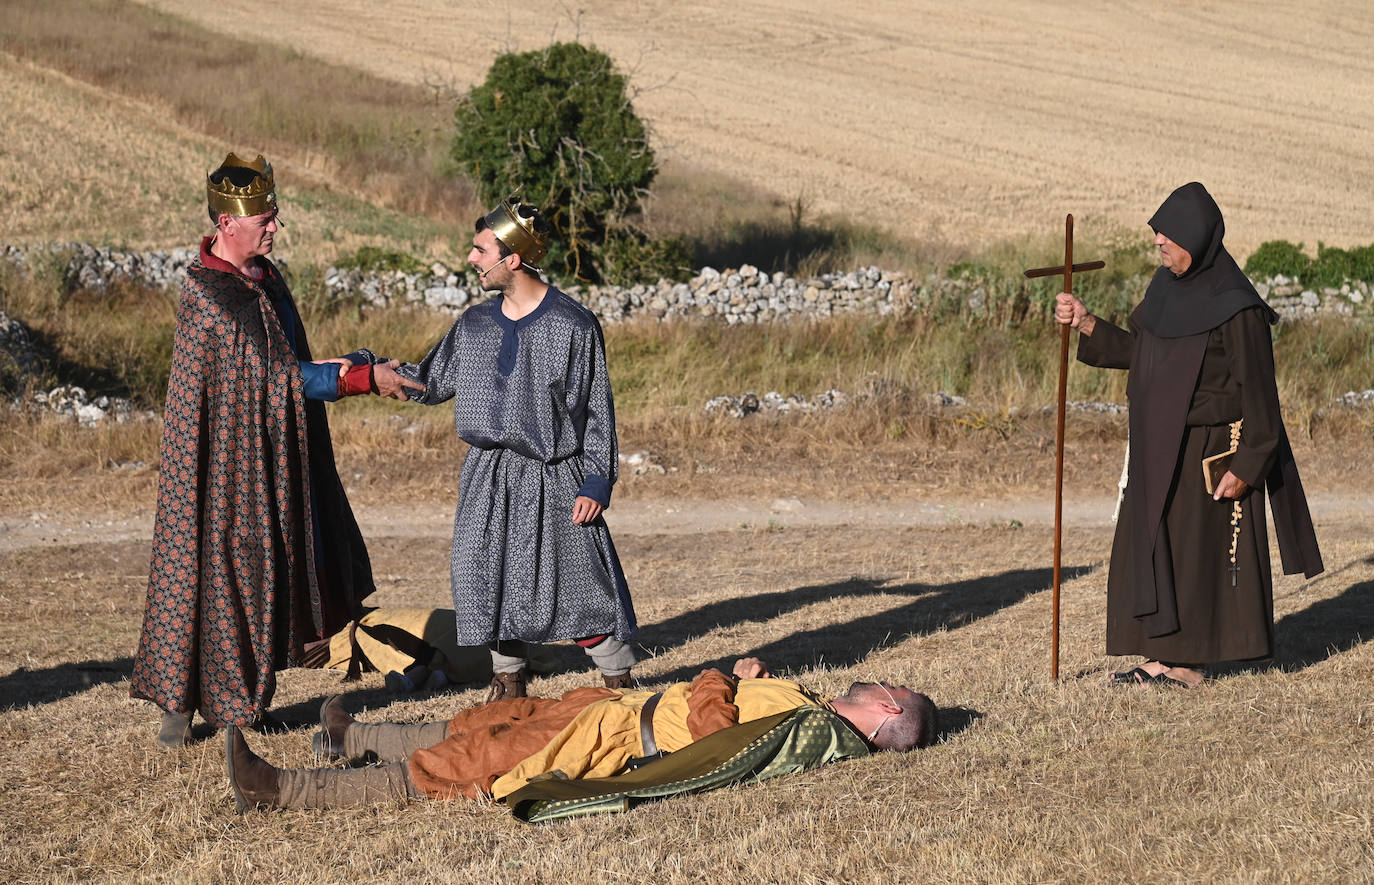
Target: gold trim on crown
{"x":517,"y":231}
{"x":259,"y":196}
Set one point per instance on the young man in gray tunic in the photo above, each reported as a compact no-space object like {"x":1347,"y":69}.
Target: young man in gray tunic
{"x":526,"y":370}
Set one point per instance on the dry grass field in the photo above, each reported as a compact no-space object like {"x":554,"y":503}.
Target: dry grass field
{"x":86,"y":164}
{"x":1262,"y":775}
{"x":938,"y":121}
{"x":892,"y":540}
{"x":932,"y":569}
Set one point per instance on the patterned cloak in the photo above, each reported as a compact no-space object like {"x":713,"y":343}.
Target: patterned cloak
{"x":248,"y":497}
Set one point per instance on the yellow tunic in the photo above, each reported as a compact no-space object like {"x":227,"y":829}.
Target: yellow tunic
{"x":605,"y":736}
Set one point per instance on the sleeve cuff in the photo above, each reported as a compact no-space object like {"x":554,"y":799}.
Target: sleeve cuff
{"x":598,"y":489}
{"x":355,"y":381}
{"x":321,"y":381}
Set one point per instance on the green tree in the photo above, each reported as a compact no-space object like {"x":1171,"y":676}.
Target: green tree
{"x":557,"y":125}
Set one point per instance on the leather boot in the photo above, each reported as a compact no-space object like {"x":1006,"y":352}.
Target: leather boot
{"x":328,"y":742}
{"x":175,"y":731}
{"x":257,"y":784}
{"x":508,"y":685}
{"x":253,"y":780}
{"x":618,"y":683}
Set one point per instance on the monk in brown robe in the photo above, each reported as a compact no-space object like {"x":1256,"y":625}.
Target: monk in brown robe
{"x":1190,"y":579}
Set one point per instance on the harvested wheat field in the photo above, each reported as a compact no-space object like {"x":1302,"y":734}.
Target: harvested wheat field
{"x":954,"y":122}
{"x":1263,"y":774}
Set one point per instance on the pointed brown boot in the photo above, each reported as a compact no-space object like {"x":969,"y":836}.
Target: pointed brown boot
{"x":175,"y":731}
{"x":253,"y":780}
{"x":508,"y":685}
{"x":618,"y":683}
{"x":328,"y":742}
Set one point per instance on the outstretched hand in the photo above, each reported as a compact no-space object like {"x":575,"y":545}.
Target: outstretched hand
{"x":343,"y":362}
{"x":390,"y":383}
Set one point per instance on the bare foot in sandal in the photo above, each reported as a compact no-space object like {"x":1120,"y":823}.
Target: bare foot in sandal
{"x":1184,"y":676}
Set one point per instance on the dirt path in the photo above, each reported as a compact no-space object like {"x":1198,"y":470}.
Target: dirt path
{"x":656,"y":516}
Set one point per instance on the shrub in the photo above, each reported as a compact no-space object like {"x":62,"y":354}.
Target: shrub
{"x":630,"y":256}
{"x":1334,"y":267}
{"x":556,"y":125}
{"x":375,"y":258}
{"x":1276,"y":257}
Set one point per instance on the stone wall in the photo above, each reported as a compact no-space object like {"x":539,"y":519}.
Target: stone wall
{"x":743,"y":295}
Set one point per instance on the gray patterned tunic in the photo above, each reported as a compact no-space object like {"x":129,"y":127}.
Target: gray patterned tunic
{"x":532,"y":399}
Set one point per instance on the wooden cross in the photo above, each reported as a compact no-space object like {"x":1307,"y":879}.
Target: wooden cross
{"x":1067,"y":269}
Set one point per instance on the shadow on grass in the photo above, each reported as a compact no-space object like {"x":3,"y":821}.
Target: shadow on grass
{"x":1325,"y":629}
{"x":1319,"y":632}
{"x":769,"y":247}
{"x":25,"y":687}
{"x":933,"y":607}
{"x":951,"y":721}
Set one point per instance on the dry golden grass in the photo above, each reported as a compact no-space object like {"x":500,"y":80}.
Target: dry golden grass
{"x":1262,"y":775}
{"x":942,"y":121}
{"x":86,"y":164}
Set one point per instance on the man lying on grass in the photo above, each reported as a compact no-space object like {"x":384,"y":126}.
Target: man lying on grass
{"x":495,"y":750}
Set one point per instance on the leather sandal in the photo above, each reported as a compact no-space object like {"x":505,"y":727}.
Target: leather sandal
{"x":1135,"y":676}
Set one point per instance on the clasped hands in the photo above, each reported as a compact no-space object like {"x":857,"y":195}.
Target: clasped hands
{"x":388,"y":382}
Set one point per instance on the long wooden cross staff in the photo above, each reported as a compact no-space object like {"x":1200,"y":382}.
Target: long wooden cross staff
{"x":1067,"y":269}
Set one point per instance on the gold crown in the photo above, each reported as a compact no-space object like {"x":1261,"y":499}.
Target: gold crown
{"x":513,"y":224}
{"x":257,"y":197}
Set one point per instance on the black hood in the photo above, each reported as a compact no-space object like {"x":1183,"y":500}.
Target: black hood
{"x":1213,"y":288}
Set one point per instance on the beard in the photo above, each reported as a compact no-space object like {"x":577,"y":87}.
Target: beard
{"x":492,"y":281}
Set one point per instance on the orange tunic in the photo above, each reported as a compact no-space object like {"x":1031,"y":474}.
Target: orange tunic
{"x":589,"y":732}
{"x":486,"y":742}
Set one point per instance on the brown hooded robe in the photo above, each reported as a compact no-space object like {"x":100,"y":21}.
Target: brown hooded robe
{"x":1200,"y":356}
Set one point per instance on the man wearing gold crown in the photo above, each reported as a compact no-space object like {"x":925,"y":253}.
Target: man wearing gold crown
{"x":532,"y":558}
{"x":255,"y":550}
